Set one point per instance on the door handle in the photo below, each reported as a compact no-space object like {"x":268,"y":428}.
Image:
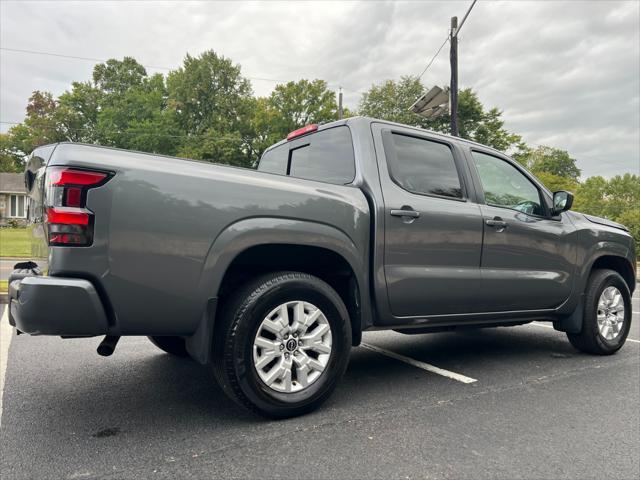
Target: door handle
{"x":497,"y":222}
{"x":405,"y":213}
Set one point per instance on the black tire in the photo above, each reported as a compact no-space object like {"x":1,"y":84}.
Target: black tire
{"x":237,"y":327}
{"x":589,"y":340}
{"x":173,"y":345}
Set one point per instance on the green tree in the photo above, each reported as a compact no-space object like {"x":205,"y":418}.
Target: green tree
{"x":391,"y":100}
{"x":78,"y":111}
{"x":553,"y":166}
{"x":617,"y":199}
{"x":550,"y":160}
{"x":555,"y":182}
{"x":10,"y":160}
{"x":118,"y":76}
{"x":489,"y":128}
{"x":302,"y":103}
{"x":622,"y":195}
{"x":40,"y":126}
{"x":590,"y":196}
{"x":138,"y":118}
{"x":212,"y":103}
{"x":265,"y":128}
{"x":209,"y":92}
{"x":631,"y":219}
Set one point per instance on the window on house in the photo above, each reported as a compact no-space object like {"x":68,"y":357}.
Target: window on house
{"x":17,"y":206}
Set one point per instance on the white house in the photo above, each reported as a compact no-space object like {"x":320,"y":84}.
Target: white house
{"x":13,"y":199}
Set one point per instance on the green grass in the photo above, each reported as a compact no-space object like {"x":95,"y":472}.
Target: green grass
{"x":14,"y":242}
{"x":4,"y":286}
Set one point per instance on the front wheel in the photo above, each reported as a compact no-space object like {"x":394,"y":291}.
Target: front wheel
{"x":282,"y":344}
{"x":607,"y":314}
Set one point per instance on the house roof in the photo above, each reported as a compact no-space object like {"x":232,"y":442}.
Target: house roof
{"x":12,"y":183}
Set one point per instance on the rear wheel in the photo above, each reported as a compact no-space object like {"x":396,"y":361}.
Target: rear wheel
{"x":173,"y":345}
{"x":282,"y":344}
{"x":607,"y":314}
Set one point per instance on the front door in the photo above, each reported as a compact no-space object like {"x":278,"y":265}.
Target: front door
{"x":527,"y":257}
{"x":433,"y":232}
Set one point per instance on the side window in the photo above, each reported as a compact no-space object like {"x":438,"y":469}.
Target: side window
{"x":326,"y":156}
{"x":422,"y":166}
{"x":506,"y":186}
{"x":275,"y":160}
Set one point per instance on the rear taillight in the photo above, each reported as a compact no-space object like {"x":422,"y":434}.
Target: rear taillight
{"x":69,"y":222}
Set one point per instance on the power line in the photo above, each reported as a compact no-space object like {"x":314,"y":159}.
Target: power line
{"x":465,"y":18}
{"x":446,"y":39}
{"x":102,"y":60}
{"x":74,"y":57}
{"x":433,"y":58}
{"x":156,"y":67}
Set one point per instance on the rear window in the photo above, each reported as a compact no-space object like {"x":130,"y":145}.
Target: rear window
{"x":325,"y":156}
{"x":422,"y":166}
{"x":275,"y":160}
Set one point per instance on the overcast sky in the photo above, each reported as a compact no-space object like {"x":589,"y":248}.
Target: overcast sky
{"x":566,"y":74}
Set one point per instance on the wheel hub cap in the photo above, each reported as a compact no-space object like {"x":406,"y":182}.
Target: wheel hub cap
{"x":292,"y":346}
{"x":611,"y":313}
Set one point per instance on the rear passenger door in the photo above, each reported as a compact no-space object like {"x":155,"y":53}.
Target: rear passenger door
{"x":433,"y":231}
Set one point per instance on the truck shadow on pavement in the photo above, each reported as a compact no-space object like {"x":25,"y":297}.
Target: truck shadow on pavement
{"x":142,"y":389}
{"x":68,"y":411}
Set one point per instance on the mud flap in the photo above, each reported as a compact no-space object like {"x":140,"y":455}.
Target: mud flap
{"x":572,"y":323}
{"x":200,"y":343}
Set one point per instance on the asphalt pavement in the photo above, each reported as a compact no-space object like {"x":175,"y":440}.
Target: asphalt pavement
{"x":6,"y":266}
{"x":530,"y":407}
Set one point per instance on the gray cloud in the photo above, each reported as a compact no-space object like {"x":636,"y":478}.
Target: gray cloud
{"x":565,"y":74}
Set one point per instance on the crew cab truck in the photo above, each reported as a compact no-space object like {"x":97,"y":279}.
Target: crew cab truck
{"x":271,"y":275}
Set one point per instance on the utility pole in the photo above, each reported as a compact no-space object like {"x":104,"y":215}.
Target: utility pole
{"x":453,"y":58}
{"x":340,"y":112}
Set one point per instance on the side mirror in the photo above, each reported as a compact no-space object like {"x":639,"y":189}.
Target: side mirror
{"x":562,"y":201}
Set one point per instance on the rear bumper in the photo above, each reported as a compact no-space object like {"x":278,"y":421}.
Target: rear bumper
{"x":41,"y":305}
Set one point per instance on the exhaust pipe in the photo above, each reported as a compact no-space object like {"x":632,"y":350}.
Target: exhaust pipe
{"x":108,"y":345}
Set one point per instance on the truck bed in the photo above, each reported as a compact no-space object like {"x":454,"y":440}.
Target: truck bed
{"x":166,"y":228}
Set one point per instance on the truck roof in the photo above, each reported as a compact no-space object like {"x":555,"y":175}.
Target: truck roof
{"x":370,"y":120}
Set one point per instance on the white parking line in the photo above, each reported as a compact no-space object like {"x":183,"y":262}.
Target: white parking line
{"x":6,"y":334}
{"x":416,"y":363}
{"x":536,"y":324}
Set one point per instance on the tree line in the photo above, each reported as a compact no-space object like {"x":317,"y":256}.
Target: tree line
{"x":206,"y":110}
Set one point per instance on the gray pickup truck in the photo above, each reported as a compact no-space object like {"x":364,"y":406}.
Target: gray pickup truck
{"x":271,"y":276}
